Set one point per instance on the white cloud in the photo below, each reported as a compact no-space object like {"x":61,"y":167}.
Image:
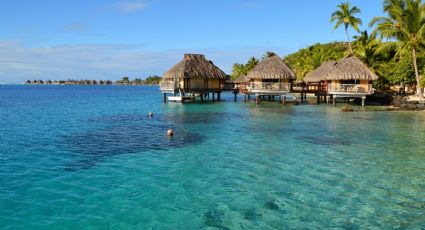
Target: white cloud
{"x":19,"y":62}
{"x":131,"y":6}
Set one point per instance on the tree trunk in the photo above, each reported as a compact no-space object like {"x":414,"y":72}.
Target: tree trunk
{"x":418,"y":83}
{"x":349,"y":42}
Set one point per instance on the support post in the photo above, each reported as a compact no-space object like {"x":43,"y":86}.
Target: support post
{"x":236,"y":99}
{"x":202,"y":97}
{"x":318,"y":99}
{"x":165,"y":98}
{"x":363,"y":100}
{"x":257,"y":99}
{"x":334,"y":101}
{"x":213,"y":96}
{"x":249,"y":97}
{"x":219,"y":96}
{"x":244,"y":98}
{"x":283,"y":99}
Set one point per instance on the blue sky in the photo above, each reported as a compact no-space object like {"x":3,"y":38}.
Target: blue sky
{"x":108,"y":39}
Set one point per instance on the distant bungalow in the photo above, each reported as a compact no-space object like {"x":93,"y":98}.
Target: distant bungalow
{"x":348,"y":78}
{"x":191,"y":77}
{"x":271,"y":77}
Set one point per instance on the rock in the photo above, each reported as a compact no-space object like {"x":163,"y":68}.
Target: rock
{"x":403,"y":100}
{"x":421,"y":106}
{"x":411,"y":106}
{"x":396,"y":100}
{"x":403,"y":106}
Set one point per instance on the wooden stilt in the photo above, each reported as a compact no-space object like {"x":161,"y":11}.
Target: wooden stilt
{"x":213,"y":96}
{"x":257,"y":99}
{"x":244,"y":98}
{"x":283,"y":99}
{"x":334,"y":101}
{"x":165,"y":98}
{"x":249,"y":97}
{"x":219,"y":96}
{"x":236,"y":99}
{"x":270,"y":97}
{"x":363,"y":101}
{"x":202,"y":97}
{"x":318,"y":99}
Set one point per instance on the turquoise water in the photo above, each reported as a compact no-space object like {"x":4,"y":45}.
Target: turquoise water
{"x":88,"y":157}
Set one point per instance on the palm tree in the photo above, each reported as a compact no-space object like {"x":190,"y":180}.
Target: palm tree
{"x":406,"y":24}
{"x":345,"y":15}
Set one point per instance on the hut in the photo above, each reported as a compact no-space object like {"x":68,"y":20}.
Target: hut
{"x":241,"y":82}
{"x":194,"y":76}
{"x":271,"y":77}
{"x":348,"y":78}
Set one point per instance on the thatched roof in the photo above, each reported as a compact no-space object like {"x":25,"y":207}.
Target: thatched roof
{"x":271,"y":68}
{"x":241,"y":79}
{"x":195,"y":66}
{"x":349,"y":68}
{"x":318,"y":74}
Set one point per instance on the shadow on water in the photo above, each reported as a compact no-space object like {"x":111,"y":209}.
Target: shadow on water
{"x":124,"y":134}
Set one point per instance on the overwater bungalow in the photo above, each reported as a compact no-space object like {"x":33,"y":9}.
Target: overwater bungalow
{"x":194,"y":76}
{"x":271,"y":77}
{"x":348,"y":78}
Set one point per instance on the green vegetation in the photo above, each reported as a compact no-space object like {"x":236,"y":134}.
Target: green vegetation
{"x":241,"y":69}
{"x":399,"y":59}
{"x":406,"y":24}
{"x":308,"y":59}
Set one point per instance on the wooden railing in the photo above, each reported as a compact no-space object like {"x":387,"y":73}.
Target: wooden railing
{"x":350,"y":88}
{"x":269,"y":86}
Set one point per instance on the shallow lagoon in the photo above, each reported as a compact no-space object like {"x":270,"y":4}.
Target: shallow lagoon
{"x":88,"y":157}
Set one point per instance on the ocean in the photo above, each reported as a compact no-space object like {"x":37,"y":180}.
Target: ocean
{"x":89,"y":157}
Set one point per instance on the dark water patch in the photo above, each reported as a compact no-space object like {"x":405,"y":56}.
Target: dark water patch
{"x":272,"y":205}
{"x":123,"y":138}
{"x":323,"y":140}
{"x":252,"y":215}
{"x":214,"y":218}
{"x":363,"y":118}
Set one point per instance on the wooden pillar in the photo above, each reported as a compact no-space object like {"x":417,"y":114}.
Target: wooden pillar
{"x":165,"y":98}
{"x":249,"y":97}
{"x":318,"y":99}
{"x":334,"y":101}
{"x":202,"y":97}
{"x":244,"y":97}
{"x":363,"y":101}
{"x":258,"y":99}
{"x":283,"y":99}
{"x":302,"y":97}
{"x":213,"y":96}
{"x":270,"y":97}
{"x":219,"y":96}
{"x":236,"y":98}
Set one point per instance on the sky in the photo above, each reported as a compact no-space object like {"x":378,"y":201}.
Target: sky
{"x":109,"y":39}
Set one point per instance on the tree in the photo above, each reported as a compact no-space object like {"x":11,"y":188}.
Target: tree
{"x":345,"y":15}
{"x":406,"y":24}
{"x":308,"y":59}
